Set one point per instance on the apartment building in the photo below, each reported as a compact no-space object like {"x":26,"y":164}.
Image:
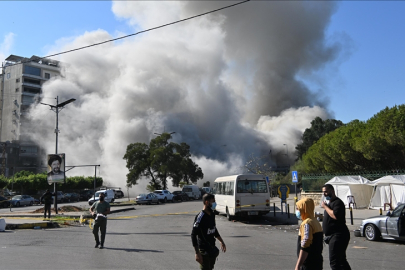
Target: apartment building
{"x":21,"y":86}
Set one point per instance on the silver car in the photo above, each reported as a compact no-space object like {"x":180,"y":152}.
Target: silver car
{"x":391,"y":226}
{"x":20,"y":200}
{"x":147,"y":199}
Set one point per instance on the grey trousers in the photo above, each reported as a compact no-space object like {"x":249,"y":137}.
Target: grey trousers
{"x":100,"y":223}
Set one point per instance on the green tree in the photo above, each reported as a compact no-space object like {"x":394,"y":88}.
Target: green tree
{"x":318,"y":129}
{"x":377,"y":144}
{"x":159,"y":161}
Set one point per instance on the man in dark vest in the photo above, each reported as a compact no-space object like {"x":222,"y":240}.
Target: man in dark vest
{"x":47,"y":199}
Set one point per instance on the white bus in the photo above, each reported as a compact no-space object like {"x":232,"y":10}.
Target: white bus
{"x":242,"y":195}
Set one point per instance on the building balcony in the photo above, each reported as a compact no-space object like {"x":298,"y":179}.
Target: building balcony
{"x":31,"y":85}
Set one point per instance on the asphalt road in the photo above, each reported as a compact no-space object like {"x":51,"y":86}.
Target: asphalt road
{"x":158,"y":237}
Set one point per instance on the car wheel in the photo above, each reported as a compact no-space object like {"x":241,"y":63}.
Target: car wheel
{"x":31,"y":203}
{"x":157,"y":202}
{"x":371,"y":232}
{"x":228,"y":216}
{"x":165,"y":200}
{"x":18,"y":204}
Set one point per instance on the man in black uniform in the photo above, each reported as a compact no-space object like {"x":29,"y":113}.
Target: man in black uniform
{"x":335,"y":229}
{"x":47,"y":199}
{"x":204,"y":234}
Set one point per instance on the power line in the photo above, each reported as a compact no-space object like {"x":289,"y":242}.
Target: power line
{"x":134,"y":34}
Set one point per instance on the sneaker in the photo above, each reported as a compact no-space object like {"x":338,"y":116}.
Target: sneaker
{"x":101,"y":246}
{"x":97,"y":244}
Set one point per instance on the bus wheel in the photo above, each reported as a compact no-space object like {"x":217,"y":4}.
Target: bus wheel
{"x":228,"y":216}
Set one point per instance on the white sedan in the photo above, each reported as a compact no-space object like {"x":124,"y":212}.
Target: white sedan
{"x":164,"y":195}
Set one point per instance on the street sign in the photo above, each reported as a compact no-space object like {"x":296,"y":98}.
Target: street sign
{"x":295,"y":177}
{"x":268,"y":180}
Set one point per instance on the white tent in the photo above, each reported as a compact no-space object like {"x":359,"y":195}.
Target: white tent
{"x":388,"y":189}
{"x":356,"y":186}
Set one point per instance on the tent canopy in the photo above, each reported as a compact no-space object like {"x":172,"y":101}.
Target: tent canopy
{"x":388,"y":189}
{"x":356,"y":186}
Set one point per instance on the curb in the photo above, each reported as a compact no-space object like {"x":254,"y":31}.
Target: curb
{"x":38,"y":225}
{"x":12,"y":226}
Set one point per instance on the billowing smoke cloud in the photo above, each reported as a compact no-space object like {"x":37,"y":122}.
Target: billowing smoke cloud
{"x":6,"y":45}
{"x":226,"y":83}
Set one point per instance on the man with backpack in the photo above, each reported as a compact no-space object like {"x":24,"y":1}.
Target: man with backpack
{"x":204,"y":234}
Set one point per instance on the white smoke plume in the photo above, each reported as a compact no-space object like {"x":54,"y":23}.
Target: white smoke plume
{"x":226,"y":83}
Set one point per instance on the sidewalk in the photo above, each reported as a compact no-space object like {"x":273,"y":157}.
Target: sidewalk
{"x":21,"y":220}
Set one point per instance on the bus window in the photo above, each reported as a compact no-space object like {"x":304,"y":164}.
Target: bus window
{"x":252,"y":186}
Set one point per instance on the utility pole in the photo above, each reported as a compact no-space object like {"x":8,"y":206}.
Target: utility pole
{"x":57,"y":109}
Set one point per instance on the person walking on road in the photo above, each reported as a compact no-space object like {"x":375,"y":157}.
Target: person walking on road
{"x":47,"y":199}
{"x":337,"y":234}
{"x":204,"y":233}
{"x":100,"y":209}
{"x":310,"y":237}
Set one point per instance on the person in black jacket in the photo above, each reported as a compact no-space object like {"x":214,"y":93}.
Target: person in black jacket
{"x":204,"y":233}
{"x":47,"y":199}
{"x":335,"y":229}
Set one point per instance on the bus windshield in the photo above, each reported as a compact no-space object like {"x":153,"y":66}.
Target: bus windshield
{"x":252,"y":186}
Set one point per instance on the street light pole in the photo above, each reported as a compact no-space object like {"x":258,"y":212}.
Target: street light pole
{"x":57,"y":109}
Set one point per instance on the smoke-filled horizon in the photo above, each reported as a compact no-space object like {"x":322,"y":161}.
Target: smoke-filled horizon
{"x":227,"y":84}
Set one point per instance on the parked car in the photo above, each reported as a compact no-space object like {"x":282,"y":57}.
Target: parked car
{"x":180,"y":196}
{"x":207,"y":189}
{"x":72,"y":197}
{"x":86,"y":194}
{"x":36,"y":201}
{"x":192,"y":191}
{"x":118,"y":194}
{"x":391,"y":226}
{"x":20,"y":200}
{"x":147,"y":199}
{"x":108,"y":196}
{"x":4,"y":202}
{"x":164,"y":195}
{"x":60,"y":197}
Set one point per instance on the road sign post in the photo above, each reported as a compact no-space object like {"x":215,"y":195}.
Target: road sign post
{"x":295,"y":181}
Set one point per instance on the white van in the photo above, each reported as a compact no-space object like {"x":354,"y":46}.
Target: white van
{"x":108,"y":195}
{"x":192,"y":191}
{"x":242,"y":195}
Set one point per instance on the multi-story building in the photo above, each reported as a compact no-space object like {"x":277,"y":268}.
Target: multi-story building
{"x":21,"y":85}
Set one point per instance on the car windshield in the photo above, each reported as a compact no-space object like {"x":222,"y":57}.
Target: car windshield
{"x":252,"y":186}
{"x":187,"y":190}
{"x":158,"y":192}
{"x":176,"y":192}
{"x":18,"y":197}
{"x":142,"y":195}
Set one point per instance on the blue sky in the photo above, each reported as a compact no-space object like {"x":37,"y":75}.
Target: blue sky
{"x":368,"y":80}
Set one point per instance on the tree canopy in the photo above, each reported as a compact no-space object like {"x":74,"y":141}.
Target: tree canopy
{"x":377,"y":144}
{"x":159,"y":161}
{"x":318,"y":129}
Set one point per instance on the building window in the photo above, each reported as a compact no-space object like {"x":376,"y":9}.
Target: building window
{"x":17,"y":89}
{"x":32,"y":90}
{"x":17,"y":80}
{"x":32,"y":70}
{"x":29,"y":149}
{"x":27,"y":99}
{"x":47,"y":76}
{"x":31,"y":81}
{"x":8,"y":75}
